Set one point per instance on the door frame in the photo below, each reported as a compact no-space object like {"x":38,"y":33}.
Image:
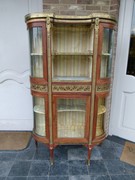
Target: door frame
{"x":124,"y":31}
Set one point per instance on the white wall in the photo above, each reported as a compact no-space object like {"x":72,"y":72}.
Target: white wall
{"x":15,"y":99}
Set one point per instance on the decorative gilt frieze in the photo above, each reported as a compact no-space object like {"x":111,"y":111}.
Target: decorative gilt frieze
{"x":71,"y":88}
{"x":39,"y":87}
{"x":103,"y":87}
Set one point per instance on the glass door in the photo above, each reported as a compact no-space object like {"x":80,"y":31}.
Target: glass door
{"x":71,"y":117}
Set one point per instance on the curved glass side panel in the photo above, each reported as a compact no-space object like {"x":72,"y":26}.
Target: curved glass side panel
{"x":100,"y":116}
{"x":36,"y":51}
{"x":39,"y":116}
{"x":106,"y":58}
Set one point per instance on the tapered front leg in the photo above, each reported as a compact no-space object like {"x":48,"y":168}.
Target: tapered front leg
{"x":89,"y":154}
{"x":51,"y":154}
{"x":36,"y":143}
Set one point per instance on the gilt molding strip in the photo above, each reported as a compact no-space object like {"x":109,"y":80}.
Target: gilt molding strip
{"x":39,"y":87}
{"x":71,"y":88}
{"x":102,"y":87}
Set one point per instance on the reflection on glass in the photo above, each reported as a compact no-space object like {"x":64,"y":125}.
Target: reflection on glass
{"x":131,"y":56}
{"x":37,"y":66}
{"x":35,"y":35}
{"x":106,"y":59}
{"x":39,"y":116}
{"x":100,"y":117}
{"x":71,"y":118}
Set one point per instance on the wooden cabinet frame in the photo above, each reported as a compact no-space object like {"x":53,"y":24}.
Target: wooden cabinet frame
{"x":84,"y":84}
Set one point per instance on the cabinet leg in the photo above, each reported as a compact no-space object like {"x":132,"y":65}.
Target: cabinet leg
{"x":36,"y":143}
{"x":51,"y":155}
{"x":89,"y":154}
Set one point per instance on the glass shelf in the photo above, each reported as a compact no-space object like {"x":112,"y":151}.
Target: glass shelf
{"x":106,"y":54}
{"x":78,"y":108}
{"x":39,"y":109}
{"x":69,"y":78}
{"x":72,"y":53}
{"x":36,"y":54}
{"x":101,"y":109}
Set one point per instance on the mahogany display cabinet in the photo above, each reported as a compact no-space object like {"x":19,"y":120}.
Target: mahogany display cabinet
{"x":71,"y":59}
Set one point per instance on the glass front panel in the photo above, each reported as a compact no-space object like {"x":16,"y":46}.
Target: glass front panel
{"x":71,"y":115}
{"x":36,"y":52}
{"x":72,"y":50}
{"x":106,"y":58}
{"x":100,"y":116}
{"x":72,"y":67}
{"x":131,"y":56}
{"x":39,"y":116}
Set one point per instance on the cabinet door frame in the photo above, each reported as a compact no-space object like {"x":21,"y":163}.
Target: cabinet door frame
{"x":44,"y":46}
{"x":102,"y":26}
{"x":58,"y":140}
{"x":37,"y":137}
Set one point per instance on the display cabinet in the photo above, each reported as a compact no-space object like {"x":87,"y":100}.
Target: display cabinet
{"x":71,"y":59}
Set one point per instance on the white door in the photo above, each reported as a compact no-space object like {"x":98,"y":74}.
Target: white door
{"x":15,"y":98}
{"x":123,"y":100}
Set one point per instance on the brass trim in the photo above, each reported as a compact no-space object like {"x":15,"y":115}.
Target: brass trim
{"x":70,"y":81}
{"x":60,"y":17}
{"x":94,"y":78}
{"x":38,"y":15}
{"x":71,"y":88}
{"x":73,"y":20}
{"x":90,"y":16}
{"x":48,"y":26}
{"x":102,"y":87}
{"x":39,"y":87}
{"x":35,"y":20}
